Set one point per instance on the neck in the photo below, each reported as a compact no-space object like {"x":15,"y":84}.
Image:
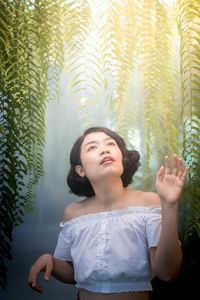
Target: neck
{"x":108,"y":192}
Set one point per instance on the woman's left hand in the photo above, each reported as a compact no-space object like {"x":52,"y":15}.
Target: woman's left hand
{"x":169,"y":184}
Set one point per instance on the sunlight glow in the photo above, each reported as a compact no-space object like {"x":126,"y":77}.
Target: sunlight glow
{"x":83,"y":100}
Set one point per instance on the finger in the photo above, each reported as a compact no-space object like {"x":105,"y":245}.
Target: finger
{"x":37,"y":288}
{"x":167,"y":165}
{"x":159,"y":176}
{"x":34,"y":272}
{"x":181,"y":168}
{"x":176,"y":165}
{"x":33,"y":276}
{"x":47,"y":272}
{"x":32,"y":281}
{"x":183,"y":177}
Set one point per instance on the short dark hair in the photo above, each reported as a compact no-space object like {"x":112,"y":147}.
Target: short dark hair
{"x":80,"y":185}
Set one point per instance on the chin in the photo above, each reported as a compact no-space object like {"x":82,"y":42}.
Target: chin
{"x":112,"y":173}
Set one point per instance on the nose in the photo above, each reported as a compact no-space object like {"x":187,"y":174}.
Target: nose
{"x":104,"y":151}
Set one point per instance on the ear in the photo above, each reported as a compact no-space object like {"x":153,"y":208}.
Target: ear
{"x":79,"y":170}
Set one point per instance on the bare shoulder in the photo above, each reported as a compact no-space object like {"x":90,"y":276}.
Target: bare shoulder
{"x":141,"y":198}
{"x":74,"y":209}
{"x":151,"y":199}
{"x":69,"y":212}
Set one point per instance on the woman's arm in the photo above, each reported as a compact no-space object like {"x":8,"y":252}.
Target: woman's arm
{"x":63,"y":271}
{"x":47,"y":263}
{"x":166,"y":258}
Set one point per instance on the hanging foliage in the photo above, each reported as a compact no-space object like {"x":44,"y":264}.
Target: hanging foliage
{"x":30,"y":45}
{"x":77,"y":28}
{"x":133,"y":48}
{"x":131,"y":37}
{"x":189,"y":30}
{"x":157,"y":69}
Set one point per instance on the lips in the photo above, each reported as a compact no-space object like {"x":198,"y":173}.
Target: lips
{"x":106,"y":159}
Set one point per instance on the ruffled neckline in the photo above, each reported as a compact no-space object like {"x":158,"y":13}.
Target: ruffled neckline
{"x":111,"y":213}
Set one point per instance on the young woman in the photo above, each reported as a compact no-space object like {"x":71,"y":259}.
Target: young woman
{"x":116,"y":240}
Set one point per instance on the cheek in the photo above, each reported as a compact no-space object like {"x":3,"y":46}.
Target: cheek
{"x":120,"y":157}
{"x":122,"y":162}
{"x":122,"y":166}
{"x":88,"y":163}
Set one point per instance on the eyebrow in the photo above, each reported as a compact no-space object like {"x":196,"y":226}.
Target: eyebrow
{"x":96,"y":142}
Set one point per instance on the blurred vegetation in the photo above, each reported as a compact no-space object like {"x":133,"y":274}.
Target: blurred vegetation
{"x":31,"y":47}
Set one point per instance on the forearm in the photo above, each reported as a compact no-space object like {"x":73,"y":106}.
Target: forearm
{"x":168,"y":258}
{"x":63,"y":271}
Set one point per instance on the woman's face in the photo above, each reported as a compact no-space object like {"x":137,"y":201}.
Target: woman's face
{"x":100,"y":157}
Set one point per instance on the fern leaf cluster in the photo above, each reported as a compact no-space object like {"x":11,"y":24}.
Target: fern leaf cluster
{"x":157,"y":69}
{"x":131,"y":49}
{"x":84,"y":82}
{"x":189,"y":30}
{"x":30,"y":41}
{"x":121,"y":20}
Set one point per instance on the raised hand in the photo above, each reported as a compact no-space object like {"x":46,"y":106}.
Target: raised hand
{"x":169,"y":183}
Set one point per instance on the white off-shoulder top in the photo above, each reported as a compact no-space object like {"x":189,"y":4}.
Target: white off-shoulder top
{"x":109,"y":250}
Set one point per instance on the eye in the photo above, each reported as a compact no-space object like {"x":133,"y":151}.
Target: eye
{"x":93,"y":147}
{"x":111,"y":143}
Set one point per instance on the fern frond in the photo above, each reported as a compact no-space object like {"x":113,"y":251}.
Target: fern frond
{"x":157,"y":70}
{"x":31,"y":42}
{"x":84,"y":69}
{"x":189,"y":30}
